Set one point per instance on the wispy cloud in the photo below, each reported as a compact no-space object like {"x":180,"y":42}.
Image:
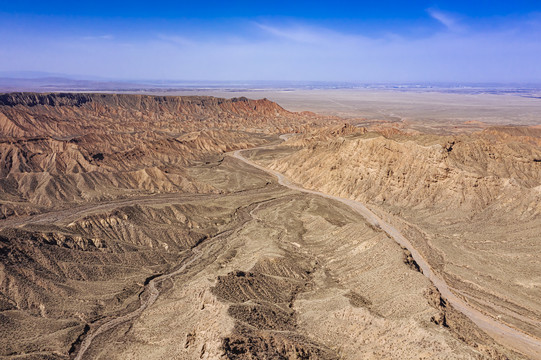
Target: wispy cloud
{"x":450,"y":21}
{"x":99,"y":37}
{"x":292,"y":50}
{"x":176,"y":39}
{"x":297,"y":33}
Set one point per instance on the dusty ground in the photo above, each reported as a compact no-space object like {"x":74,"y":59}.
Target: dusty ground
{"x":298,"y":277}
{"x":108,"y":257}
{"x":290,"y":275}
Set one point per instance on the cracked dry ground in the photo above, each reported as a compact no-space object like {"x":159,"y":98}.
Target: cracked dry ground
{"x":294,"y":277}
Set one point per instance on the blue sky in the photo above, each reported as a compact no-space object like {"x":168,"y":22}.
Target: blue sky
{"x":375,"y":41}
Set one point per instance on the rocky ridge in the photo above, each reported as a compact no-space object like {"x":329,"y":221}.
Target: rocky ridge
{"x":70,"y":148}
{"x":471,"y":204}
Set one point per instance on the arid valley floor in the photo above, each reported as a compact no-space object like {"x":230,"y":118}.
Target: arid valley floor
{"x":352,"y":225}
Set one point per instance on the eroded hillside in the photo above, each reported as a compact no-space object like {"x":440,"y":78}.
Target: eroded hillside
{"x":470,"y":203}
{"x":60,"y":149}
{"x":129,"y":230}
{"x":115,"y":170}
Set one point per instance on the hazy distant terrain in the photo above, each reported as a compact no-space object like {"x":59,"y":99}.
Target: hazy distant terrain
{"x":437,"y":107}
{"x":441,"y":105}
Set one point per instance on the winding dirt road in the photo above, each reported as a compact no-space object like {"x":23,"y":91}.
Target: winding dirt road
{"x":500,"y":332}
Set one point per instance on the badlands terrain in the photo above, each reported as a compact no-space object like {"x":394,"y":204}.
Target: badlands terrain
{"x":197,"y":227}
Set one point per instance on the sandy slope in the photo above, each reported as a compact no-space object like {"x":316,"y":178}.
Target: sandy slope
{"x":426,"y":180}
{"x":502,"y":333}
